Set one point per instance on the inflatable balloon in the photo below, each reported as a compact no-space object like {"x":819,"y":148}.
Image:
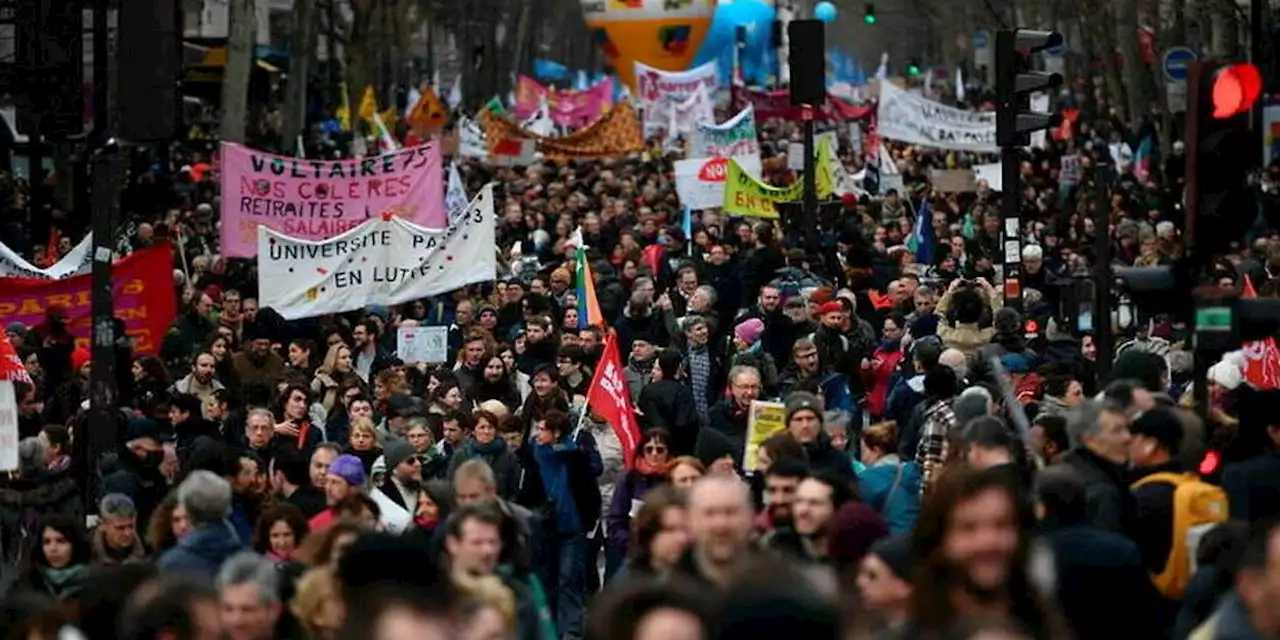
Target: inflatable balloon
{"x":756,"y":17}
{"x":825,"y":11}
{"x":664,"y":34}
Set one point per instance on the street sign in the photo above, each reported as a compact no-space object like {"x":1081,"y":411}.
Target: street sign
{"x":982,"y":48}
{"x":1176,"y":61}
{"x":1176,"y":96}
{"x":1056,"y":52}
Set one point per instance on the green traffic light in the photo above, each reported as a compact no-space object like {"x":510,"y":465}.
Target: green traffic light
{"x":870,"y":18}
{"x":913,"y":70}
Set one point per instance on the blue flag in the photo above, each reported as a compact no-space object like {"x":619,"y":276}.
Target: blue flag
{"x":923,"y":234}
{"x":549,"y":70}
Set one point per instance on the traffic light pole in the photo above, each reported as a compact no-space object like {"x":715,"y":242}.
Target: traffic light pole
{"x":105,"y":186}
{"x":1011,"y":229}
{"x":810,"y":224}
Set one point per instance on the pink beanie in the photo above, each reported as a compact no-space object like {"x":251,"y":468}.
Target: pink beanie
{"x":749,"y":330}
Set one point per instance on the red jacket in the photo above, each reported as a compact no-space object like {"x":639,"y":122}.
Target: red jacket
{"x":879,"y":376}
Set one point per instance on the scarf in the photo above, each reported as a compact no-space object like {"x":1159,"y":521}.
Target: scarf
{"x":60,"y":579}
{"x":280,"y":557}
{"x":493,"y":448}
{"x":643,"y":466}
{"x":425,"y":524}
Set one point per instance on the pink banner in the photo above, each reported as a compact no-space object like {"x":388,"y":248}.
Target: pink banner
{"x":572,"y":109}
{"x":319,"y":199}
{"x":776,"y":105}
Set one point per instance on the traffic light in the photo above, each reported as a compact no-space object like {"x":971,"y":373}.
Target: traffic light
{"x":1016,"y":81}
{"x":1225,"y":153}
{"x":913,"y":68}
{"x":869,"y":13}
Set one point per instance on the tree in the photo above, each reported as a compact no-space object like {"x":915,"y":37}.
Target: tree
{"x":304,"y":48}
{"x":235,"y":79}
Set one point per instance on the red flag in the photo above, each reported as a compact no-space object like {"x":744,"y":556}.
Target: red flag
{"x":51,"y":249}
{"x":1261,"y":357}
{"x":610,"y":397}
{"x":11,"y":367}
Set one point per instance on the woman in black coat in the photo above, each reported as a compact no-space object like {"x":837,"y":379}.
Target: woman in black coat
{"x":57,"y":564}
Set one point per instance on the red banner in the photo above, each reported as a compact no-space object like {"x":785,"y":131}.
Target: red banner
{"x":142,"y":285}
{"x":610,"y":398}
{"x":771,"y":105}
{"x":1261,"y":357}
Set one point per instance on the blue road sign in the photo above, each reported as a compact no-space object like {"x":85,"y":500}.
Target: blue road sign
{"x":981,"y":39}
{"x":1175,"y":63}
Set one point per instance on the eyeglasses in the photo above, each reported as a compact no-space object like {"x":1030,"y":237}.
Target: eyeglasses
{"x":655,"y":449}
{"x":416,"y":460}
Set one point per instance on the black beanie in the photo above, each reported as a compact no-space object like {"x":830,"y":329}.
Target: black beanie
{"x":713,"y":445}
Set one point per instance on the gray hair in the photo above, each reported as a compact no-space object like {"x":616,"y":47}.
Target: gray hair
{"x":836,"y":419}
{"x":709,"y":292}
{"x":206,"y":496}
{"x":31,"y":454}
{"x":740,"y":369}
{"x":248,"y":567}
{"x":117,"y":505}
{"x":1085,"y":420}
{"x":259,"y":412}
{"x":475,"y":469}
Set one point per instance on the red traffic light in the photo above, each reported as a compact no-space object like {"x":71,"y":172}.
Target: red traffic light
{"x":1235,"y":88}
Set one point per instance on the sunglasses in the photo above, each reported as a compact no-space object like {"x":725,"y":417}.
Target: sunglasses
{"x":658,"y":449}
{"x":416,"y":459}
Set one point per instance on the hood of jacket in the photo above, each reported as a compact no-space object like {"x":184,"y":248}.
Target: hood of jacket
{"x":214,"y":541}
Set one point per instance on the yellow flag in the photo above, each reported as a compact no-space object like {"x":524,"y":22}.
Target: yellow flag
{"x":429,"y":111}
{"x":744,"y":195}
{"x":389,"y":117}
{"x":344,"y":112}
{"x":368,"y":104}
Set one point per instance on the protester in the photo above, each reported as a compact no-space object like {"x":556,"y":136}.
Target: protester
{"x":709,"y":398}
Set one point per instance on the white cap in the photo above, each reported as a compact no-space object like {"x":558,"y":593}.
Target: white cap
{"x":1032,"y":252}
{"x":1226,"y":374}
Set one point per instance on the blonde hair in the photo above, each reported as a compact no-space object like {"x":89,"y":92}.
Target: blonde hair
{"x":364,"y":425}
{"x":318,"y":591}
{"x":496,"y":408}
{"x":331,"y":357}
{"x":487,"y":592}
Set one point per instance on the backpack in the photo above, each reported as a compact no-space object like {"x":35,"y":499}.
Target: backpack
{"x":1197,"y":507}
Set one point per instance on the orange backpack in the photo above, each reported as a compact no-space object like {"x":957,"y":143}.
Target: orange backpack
{"x":1197,"y":507}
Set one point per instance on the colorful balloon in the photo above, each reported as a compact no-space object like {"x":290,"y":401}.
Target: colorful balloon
{"x":825,"y":11}
{"x":664,"y":34}
{"x":756,"y":17}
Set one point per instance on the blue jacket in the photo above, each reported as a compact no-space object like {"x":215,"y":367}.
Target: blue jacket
{"x":899,"y":506}
{"x":202,"y":551}
{"x":568,"y":471}
{"x":836,"y":394}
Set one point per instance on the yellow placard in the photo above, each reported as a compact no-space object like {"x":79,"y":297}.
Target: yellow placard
{"x":765,"y":420}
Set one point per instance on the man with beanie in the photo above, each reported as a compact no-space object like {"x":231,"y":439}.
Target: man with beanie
{"x":257,"y":363}
{"x":939,"y":420}
{"x":804,"y":423}
{"x":404,"y":474}
{"x":346,"y":477}
{"x":714,"y":450}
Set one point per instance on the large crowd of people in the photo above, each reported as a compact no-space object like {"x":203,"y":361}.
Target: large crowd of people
{"x":950,"y":467}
